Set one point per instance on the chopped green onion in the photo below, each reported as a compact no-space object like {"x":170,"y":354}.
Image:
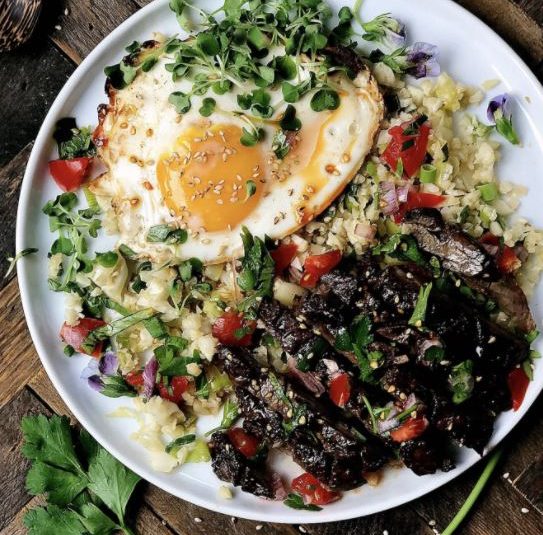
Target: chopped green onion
{"x":374,"y":426}
{"x":489,"y":192}
{"x":199,"y":453}
{"x":126,"y":251}
{"x":419,"y":314}
{"x":428,"y":173}
{"x":156,"y":327}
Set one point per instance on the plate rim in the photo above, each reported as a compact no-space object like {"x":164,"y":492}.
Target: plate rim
{"x":227,"y":507}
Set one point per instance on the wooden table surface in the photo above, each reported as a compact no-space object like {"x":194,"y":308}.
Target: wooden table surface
{"x":31,"y":77}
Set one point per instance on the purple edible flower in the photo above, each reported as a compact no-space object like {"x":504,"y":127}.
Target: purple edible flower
{"x":108,"y":364}
{"x":149,"y":377}
{"x":424,"y":60}
{"x":500,"y":113}
{"x":96,"y":383}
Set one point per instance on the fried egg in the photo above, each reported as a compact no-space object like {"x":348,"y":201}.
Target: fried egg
{"x":193,"y":172}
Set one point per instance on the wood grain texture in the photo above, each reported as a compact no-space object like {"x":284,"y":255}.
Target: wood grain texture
{"x":18,"y":358}
{"x":13,"y":495}
{"x":530,"y":484}
{"x":80,"y":26}
{"x":11,"y":176}
{"x":519,"y":22}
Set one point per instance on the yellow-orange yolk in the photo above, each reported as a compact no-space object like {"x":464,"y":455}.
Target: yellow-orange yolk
{"x":212,"y":181}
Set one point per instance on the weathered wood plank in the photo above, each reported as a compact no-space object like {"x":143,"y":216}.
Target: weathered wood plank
{"x":30,"y":78}
{"x":82,"y":25}
{"x":18,"y":358}
{"x":13,"y":495}
{"x":511,"y":20}
{"x":530,"y":484}
{"x":43,"y":388}
{"x":11,"y":176}
{"x":398,"y":521}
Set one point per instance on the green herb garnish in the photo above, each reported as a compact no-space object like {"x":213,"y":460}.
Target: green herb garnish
{"x":175,"y":445}
{"x":14,"y":259}
{"x":461,"y":381}
{"x":295,"y":501}
{"x":419,"y":313}
{"x":83,"y":483}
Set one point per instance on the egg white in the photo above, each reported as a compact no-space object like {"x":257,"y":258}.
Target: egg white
{"x":141,"y":126}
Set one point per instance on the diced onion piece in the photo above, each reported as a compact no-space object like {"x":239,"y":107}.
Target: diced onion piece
{"x":286,"y":292}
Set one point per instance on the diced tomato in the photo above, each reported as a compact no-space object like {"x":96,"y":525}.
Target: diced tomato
{"x":283,"y":256}
{"x":410,"y":148}
{"x":134,"y":378}
{"x":518,"y":382}
{"x":316,"y":266}
{"x":339,"y":389}
{"x":243,"y":442}
{"x":70,"y":174}
{"x":313,"y":490}
{"x":417,"y":199}
{"x":74,"y":335}
{"x":232,"y":329}
{"x":175,"y":390}
{"x":507,"y":260}
{"x":410,"y":429}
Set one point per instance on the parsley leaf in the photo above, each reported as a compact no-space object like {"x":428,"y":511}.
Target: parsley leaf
{"x":256,"y":276}
{"x":68,"y":478}
{"x":112,"y":482}
{"x":295,"y":501}
{"x":53,"y":520}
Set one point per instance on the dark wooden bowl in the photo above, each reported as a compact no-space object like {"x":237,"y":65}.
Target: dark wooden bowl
{"x":18,"y":19}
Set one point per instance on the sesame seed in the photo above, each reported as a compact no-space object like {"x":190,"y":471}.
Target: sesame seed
{"x":197,"y":519}
{"x":132,"y":130}
{"x":301,"y":529}
{"x":432,"y":523}
{"x":524,"y":510}
{"x":258,"y":527}
{"x":58,"y":27}
{"x":149,"y":132}
{"x":124,"y":125}
{"x":506,"y":475}
{"x":345,"y":158}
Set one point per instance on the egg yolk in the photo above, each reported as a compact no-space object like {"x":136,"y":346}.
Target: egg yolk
{"x":213,"y":181}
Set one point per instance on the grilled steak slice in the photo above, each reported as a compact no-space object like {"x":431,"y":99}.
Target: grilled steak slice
{"x":510,"y":299}
{"x":465,"y":332}
{"x":457,"y":251}
{"x":426,"y":454}
{"x":232,"y":466}
{"x":463,"y":255}
{"x":259,"y":420}
{"x":321,"y":443}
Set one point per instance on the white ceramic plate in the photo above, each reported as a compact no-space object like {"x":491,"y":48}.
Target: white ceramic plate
{"x":470,"y":51}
